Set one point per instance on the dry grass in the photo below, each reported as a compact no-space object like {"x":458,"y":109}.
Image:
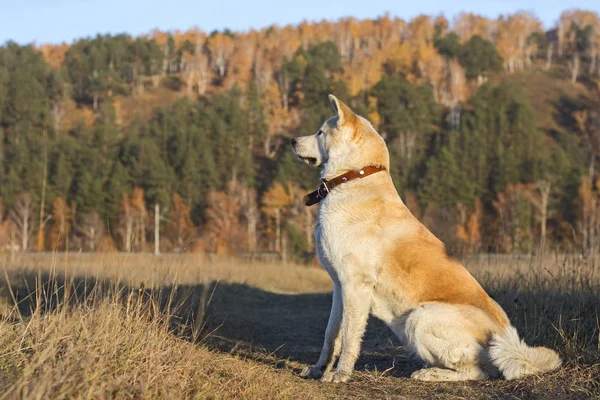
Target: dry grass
{"x":137,"y":326}
{"x":550,"y":95}
{"x":146,"y":105}
{"x":109,"y":351}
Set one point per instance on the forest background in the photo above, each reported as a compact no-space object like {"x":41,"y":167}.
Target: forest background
{"x":114,"y":141}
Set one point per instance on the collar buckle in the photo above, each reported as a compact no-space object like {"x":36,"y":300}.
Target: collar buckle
{"x":323,"y":193}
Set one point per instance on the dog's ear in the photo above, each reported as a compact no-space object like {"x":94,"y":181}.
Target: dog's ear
{"x":343,"y":112}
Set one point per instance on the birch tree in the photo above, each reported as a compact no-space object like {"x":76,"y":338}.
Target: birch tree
{"x":21,"y":216}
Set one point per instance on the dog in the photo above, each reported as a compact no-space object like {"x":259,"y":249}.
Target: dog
{"x":384,"y":262}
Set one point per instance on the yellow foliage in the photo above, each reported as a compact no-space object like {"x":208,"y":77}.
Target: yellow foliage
{"x":118,"y":111}
{"x":61,"y":226}
{"x":223,"y":230}
{"x":54,"y":54}
{"x":374,"y":116}
{"x":512,"y":34}
{"x":276,"y":197}
{"x":467,"y":25}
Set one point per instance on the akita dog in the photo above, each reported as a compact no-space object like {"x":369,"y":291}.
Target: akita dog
{"x":383,"y":261}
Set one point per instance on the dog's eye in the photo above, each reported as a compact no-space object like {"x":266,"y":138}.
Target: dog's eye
{"x":319,"y":133}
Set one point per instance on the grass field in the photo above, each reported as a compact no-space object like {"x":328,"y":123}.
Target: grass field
{"x":184,"y":326}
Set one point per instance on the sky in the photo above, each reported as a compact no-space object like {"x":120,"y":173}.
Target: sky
{"x":56,"y":21}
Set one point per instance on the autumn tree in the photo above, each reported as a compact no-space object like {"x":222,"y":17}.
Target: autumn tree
{"x":180,"y":228}
{"x":220,"y":45}
{"x":61,"y":224}
{"x":574,"y":26}
{"x":248,"y":201}
{"x":275,"y":200}
{"x":197,"y":69}
{"x":138,"y":204}
{"x":578,"y":37}
{"x":513,"y":42}
{"x":222,"y":227}
{"x":133,"y":220}
{"x":280,"y":119}
{"x":54,"y":54}
{"x":467,"y":25}
{"x":468,"y":230}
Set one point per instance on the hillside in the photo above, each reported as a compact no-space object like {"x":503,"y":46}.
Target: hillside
{"x":549,"y":96}
{"x":492,"y":126}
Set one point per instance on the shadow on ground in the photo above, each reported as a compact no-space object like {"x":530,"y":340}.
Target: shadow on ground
{"x":233,"y":318}
{"x":245,"y":319}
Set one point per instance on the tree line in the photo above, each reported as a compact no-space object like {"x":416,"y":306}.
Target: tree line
{"x":211,"y":171}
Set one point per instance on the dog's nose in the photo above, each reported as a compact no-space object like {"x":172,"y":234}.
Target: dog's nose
{"x":294,"y":142}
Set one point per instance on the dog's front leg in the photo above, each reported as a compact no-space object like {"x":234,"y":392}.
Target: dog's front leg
{"x":356,"y":299}
{"x":332,"y":342}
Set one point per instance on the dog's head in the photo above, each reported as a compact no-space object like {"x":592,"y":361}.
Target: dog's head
{"x":345,"y":142}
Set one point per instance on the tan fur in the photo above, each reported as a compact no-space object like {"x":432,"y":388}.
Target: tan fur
{"x":385,"y":262}
{"x":426,"y":274}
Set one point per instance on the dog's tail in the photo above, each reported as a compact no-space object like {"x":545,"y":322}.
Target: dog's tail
{"x":515,"y":359}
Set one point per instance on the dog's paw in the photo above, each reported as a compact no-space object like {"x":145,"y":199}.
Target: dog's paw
{"x":336,"y":377}
{"x":426,"y":374}
{"x":327,"y":376}
{"x":312,"y":372}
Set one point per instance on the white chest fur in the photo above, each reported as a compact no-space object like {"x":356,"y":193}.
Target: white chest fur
{"x":350,"y":247}
{"x":333,"y":233}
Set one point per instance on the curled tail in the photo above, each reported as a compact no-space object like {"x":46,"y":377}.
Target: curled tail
{"x":515,"y":359}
